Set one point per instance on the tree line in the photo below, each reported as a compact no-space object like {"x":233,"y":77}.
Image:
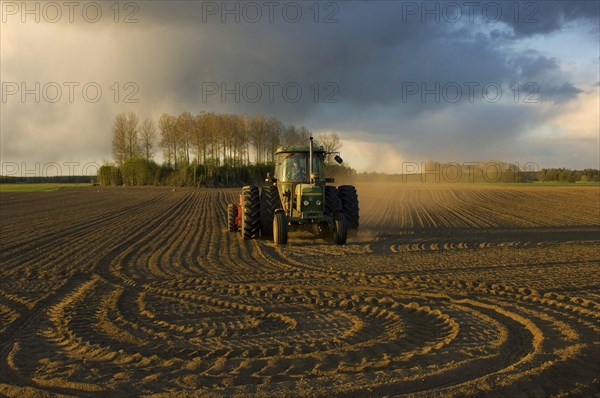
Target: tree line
{"x":568,"y":175}
{"x":207,"y":149}
{"x":484,"y":172}
{"x":219,"y":149}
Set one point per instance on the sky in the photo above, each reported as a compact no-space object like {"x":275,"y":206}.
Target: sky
{"x":400,"y":82}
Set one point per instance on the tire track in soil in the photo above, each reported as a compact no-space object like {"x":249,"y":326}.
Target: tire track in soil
{"x":32,"y":317}
{"x":183,"y":306}
{"x":537,"y":333}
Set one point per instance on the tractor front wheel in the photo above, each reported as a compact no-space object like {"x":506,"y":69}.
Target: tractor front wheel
{"x":269,"y":202}
{"x":340,"y":228}
{"x":280,"y":232}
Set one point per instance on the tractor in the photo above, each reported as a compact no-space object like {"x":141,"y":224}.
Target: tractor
{"x":297,"y":197}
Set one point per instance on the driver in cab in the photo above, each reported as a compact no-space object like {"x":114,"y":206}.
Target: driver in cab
{"x":296,"y":171}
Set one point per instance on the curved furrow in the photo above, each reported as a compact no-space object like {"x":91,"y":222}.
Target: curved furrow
{"x":38,"y":278}
{"x":166,"y":242}
{"x":450,"y":291}
{"x":115,"y":265}
{"x":63,"y":248}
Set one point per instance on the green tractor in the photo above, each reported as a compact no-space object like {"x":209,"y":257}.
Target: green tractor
{"x":296,"y":198}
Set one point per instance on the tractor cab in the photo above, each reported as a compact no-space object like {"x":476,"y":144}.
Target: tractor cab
{"x":294,"y":166}
{"x":300,"y":186}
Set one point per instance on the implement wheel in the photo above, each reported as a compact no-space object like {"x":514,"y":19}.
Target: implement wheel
{"x":232,"y":213}
{"x":250,"y":212}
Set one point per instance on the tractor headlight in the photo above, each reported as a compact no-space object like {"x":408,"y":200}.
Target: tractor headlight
{"x":305,"y":203}
{"x":318,"y":202}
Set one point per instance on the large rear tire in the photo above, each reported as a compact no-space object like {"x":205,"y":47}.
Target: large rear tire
{"x":349,"y":199}
{"x":232,"y":213}
{"x":269,"y":202}
{"x":250,"y":212}
{"x":280,"y":233}
{"x":332,"y":200}
{"x":340,"y":228}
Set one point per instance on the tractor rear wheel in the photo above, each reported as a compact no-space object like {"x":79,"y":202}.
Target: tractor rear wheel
{"x":250,"y":212}
{"x":280,"y":233}
{"x":349,"y":199}
{"x":269,"y":202}
{"x":232,"y":213}
{"x":332,"y":200}
{"x":340,"y":228}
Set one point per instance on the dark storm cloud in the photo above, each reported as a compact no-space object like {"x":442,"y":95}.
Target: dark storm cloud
{"x":531,"y":66}
{"x":373,"y":53}
{"x":457,"y":131}
{"x":543,"y":17}
{"x":358,"y":74}
{"x":544,"y":75}
{"x":524,"y":17}
{"x":559,"y":93}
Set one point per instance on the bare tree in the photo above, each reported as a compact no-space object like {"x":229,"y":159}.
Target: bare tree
{"x":132,"y":148}
{"x":295,"y":135}
{"x":200,"y":136}
{"x":274,"y":133}
{"x":303,"y":135}
{"x":147,"y":137}
{"x":258,"y":136}
{"x":331,"y":142}
{"x":125,"y":143}
{"x":290,"y":136}
{"x":244,"y":137}
{"x":212,"y":134}
{"x":184,"y":135}
{"x":119,"y":138}
{"x":168,"y":132}
{"x":240,"y":139}
{"x":226,"y":130}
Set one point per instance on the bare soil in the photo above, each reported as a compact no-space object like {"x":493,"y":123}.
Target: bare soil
{"x":448,"y":290}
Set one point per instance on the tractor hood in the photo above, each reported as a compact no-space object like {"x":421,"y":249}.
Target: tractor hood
{"x":309,"y":200}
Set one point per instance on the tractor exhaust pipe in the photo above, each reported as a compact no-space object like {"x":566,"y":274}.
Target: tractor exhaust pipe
{"x":310,"y":161}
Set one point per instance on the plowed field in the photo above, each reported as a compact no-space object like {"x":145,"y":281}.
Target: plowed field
{"x":446,"y":290}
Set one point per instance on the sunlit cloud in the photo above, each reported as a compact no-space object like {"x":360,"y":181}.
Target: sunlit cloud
{"x":580,"y":119}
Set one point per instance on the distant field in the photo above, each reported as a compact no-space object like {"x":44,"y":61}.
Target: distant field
{"x":547,"y":184}
{"x":409,"y":181}
{"x":447,"y":290}
{"x":39,"y":187}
